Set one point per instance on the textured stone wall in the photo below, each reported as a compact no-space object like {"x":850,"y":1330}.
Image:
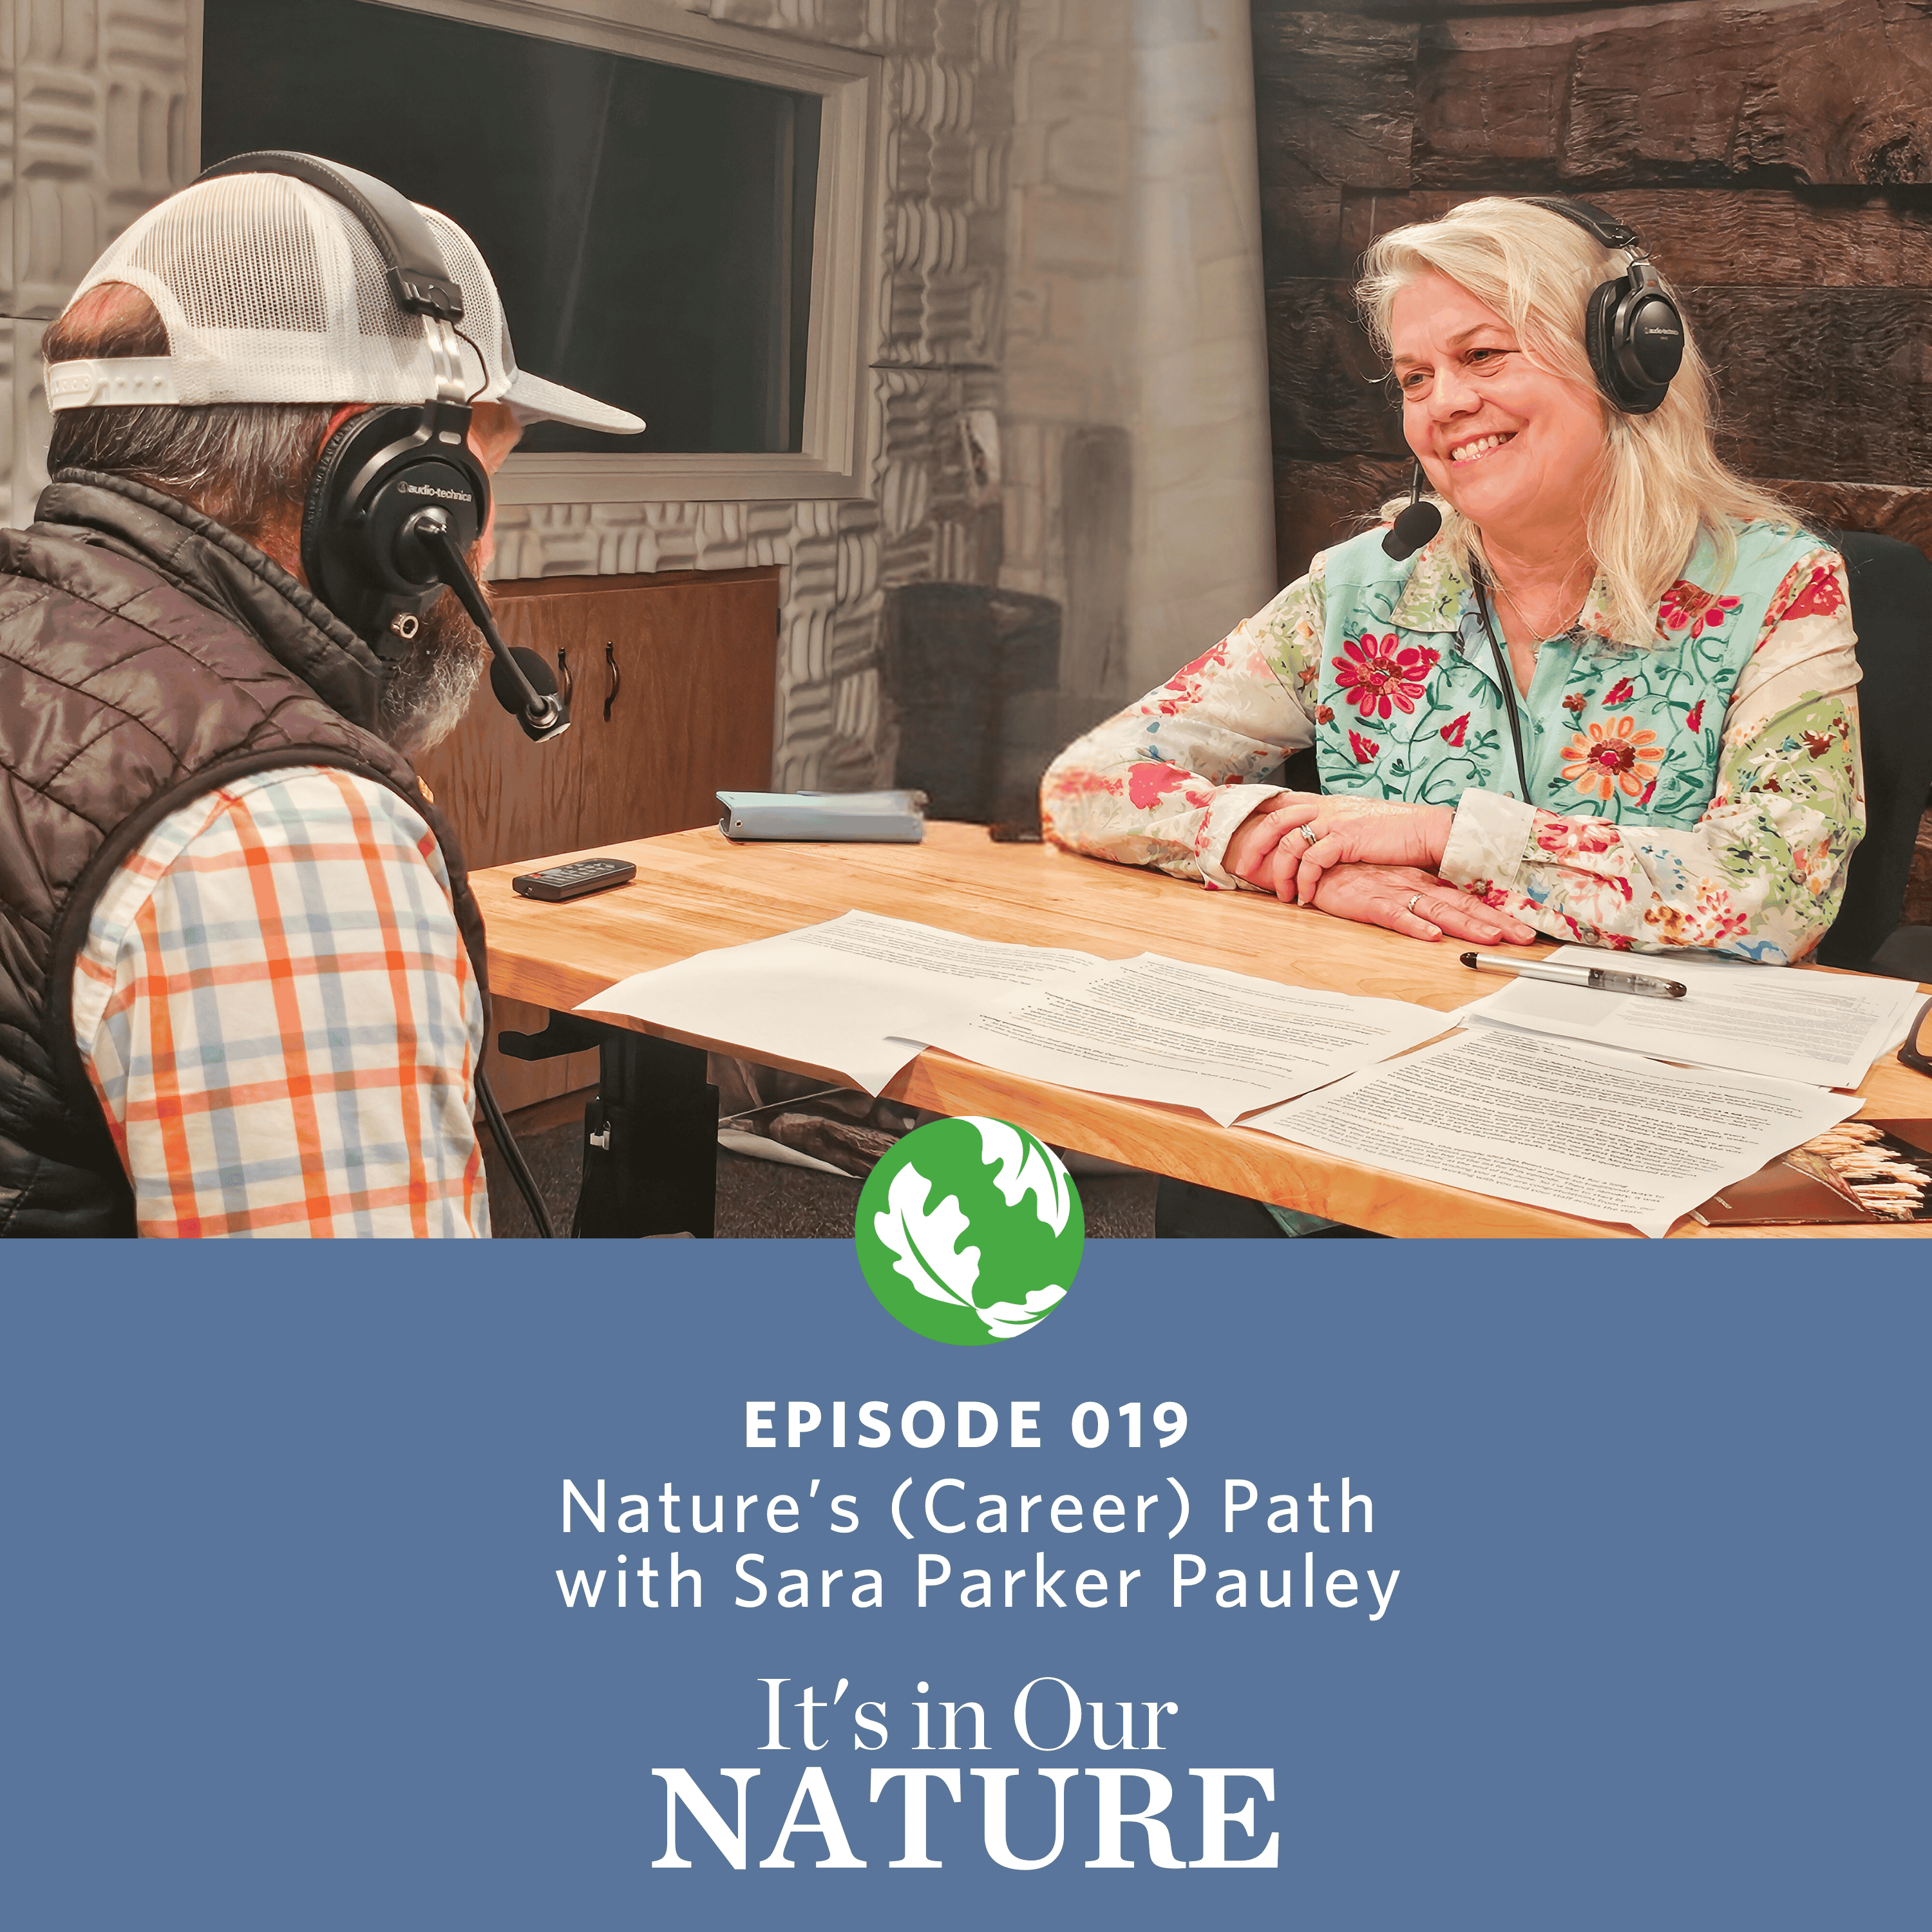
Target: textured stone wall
{"x":93,"y":130}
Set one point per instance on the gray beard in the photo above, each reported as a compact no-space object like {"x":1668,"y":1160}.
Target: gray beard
{"x":427,"y":689}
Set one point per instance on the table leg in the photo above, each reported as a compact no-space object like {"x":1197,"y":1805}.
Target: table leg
{"x":650,"y":1137}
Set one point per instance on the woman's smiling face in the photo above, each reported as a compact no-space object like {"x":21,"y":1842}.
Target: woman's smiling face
{"x":1515,"y":448}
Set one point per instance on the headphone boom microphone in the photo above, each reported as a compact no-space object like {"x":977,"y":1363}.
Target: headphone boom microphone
{"x":537,"y":676}
{"x":1414,"y":527}
{"x":515,"y":676}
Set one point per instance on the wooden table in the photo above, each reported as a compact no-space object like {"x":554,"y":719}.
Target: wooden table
{"x":696,"y":890}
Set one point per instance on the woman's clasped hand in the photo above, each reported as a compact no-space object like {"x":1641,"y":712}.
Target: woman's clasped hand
{"x":1369,"y":860}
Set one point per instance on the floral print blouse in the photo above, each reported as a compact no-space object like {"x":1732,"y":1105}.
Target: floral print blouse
{"x":1698,"y":788}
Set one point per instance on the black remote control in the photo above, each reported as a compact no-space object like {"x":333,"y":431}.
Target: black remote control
{"x":574,"y":880}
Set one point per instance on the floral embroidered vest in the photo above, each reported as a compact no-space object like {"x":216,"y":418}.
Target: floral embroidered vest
{"x":1409,"y":701}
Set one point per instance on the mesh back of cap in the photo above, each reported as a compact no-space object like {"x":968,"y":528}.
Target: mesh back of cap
{"x":259,"y":272}
{"x":272,"y":292}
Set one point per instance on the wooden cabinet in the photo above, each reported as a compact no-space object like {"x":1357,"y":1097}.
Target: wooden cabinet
{"x":671,"y":679}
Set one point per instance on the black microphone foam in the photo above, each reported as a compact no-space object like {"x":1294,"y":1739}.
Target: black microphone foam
{"x":1414,"y":527}
{"x":543,"y":679}
{"x":511,"y":695}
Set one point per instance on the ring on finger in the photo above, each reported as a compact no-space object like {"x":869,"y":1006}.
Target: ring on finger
{"x":1309,"y":834}
{"x":1410,"y":908}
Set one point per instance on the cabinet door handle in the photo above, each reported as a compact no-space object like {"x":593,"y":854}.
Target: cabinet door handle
{"x":565,"y":682}
{"x":615,"y":678}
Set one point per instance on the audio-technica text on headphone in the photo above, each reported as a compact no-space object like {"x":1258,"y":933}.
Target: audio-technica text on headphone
{"x":1633,"y":331}
{"x":398,"y":497}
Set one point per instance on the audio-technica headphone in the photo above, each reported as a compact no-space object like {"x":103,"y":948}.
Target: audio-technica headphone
{"x":398,"y":497}
{"x":1633,"y":331}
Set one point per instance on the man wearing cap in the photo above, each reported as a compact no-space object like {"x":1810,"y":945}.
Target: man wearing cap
{"x":240,"y":983}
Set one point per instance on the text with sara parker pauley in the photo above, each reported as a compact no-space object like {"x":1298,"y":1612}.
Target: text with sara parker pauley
{"x":943,"y":1506}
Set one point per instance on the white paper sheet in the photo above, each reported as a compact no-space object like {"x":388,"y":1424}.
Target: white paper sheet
{"x":1152,"y":1028}
{"x":856,"y":995}
{"x":1555,"y":1124}
{"x":1823,"y":1027}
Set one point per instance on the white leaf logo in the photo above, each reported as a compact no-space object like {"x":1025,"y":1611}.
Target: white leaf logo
{"x":1026,"y":1167}
{"x":927,"y":1243}
{"x":1009,"y":1318}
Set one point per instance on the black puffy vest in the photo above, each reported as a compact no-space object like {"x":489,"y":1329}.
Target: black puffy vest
{"x":147,"y":656}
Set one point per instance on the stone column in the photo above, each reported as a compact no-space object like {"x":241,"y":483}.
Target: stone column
{"x":1138,"y":477}
{"x":1203,"y":548}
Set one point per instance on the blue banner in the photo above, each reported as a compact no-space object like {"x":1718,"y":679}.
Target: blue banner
{"x":666,"y":1582}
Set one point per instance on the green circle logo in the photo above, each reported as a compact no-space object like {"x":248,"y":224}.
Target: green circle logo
{"x":969,"y":1230}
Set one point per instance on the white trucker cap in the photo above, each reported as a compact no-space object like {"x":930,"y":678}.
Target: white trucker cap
{"x":273,"y":291}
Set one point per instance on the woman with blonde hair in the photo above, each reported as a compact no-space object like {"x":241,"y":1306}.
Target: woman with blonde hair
{"x":1610,"y":700}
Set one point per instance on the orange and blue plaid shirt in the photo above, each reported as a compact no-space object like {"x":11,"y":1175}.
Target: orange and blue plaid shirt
{"x":276,"y":1010}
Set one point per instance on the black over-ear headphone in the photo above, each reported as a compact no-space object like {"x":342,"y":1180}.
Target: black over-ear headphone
{"x":398,"y":497}
{"x":1632,"y":330}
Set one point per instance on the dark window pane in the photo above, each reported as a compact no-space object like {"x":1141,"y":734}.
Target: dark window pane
{"x":650,"y":228}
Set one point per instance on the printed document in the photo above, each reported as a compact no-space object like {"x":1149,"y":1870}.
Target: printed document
{"x":861,"y":995}
{"x":1151,"y":1028}
{"x":1555,"y":1124}
{"x":858,"y":995}
{"x":1824,"y":1028}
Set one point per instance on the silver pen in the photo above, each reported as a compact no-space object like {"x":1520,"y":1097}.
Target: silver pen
{"x":1595,"y":977}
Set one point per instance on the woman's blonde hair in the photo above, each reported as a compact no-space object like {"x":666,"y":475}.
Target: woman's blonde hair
{"x":1661,"y":483}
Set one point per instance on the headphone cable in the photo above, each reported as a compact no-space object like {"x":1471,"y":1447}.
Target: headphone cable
{"x":513,"y":1155}
{"x":1508,"y":678}
{"x":470,"y":401}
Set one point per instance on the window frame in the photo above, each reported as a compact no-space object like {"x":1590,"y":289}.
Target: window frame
{"x":833,"y":463}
